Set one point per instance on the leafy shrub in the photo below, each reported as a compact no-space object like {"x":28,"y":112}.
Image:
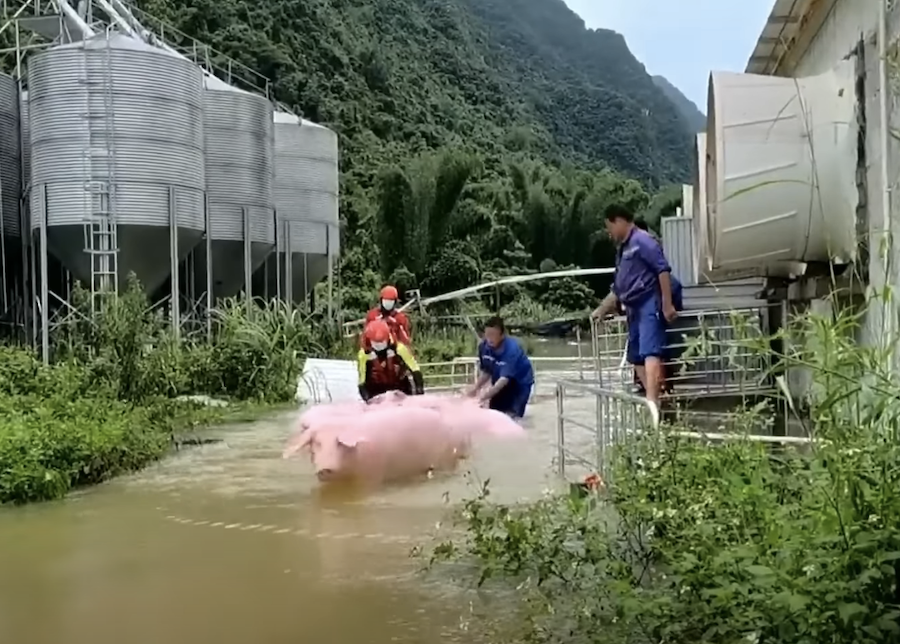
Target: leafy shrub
{"x":729,"y":542}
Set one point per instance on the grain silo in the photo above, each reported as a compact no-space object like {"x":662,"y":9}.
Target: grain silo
{"x":239,"y":177}
{"x":306,"y":203}
{"x":116,"y":157}
{"x":10,"y":158}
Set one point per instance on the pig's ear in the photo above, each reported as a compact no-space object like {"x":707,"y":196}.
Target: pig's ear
{"x":349,"y":441}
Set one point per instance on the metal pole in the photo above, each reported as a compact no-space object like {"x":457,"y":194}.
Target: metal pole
{"x":289,"y":267}
{"x":305,"y":275}
{"x":34,"y":288}
{"x":330,"y":273}
{"x":207,"y":225}
{"x":883,"y":113}
{"x":580,"y":353}
{"x":173,"y":263}
{"x":45,"y":296}
{"x":600,"y":435}
{"x":560,"y":430}
{"x":280,"y":254}
{"x":248,"y":264}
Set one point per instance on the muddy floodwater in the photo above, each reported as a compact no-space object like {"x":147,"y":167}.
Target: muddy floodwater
{"x":229,"y":544}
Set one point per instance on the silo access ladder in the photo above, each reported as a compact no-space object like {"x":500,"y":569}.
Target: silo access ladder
{"x":101,"y":242}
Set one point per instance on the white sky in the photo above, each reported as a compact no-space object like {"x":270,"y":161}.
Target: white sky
{"x":684,"y":40}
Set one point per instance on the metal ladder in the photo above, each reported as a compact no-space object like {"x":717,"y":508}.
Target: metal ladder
{"x":101,"y":242}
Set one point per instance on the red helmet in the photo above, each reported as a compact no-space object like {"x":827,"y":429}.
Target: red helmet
{"x":378,"y":334}
{"x":390,"y":293}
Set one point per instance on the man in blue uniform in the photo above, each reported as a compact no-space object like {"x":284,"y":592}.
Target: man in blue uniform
{"x":643,"y":285}
{"x":674,"y":341}
{"x":502,"y":361}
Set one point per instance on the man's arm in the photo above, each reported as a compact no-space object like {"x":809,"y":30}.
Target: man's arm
{"x":495,"y":388}
{"x":482,"y":380}
{"x":652,"y":254}
{"x":665,"y":287}
{"x":607,"y":306}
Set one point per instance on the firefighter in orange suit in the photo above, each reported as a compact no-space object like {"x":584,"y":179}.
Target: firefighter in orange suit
{"x":384,"y":364}
{"x":386,"y":310}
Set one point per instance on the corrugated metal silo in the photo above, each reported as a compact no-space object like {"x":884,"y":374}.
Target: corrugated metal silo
{"x":10,"y":157}
{"x":239,"y":182}
{"x":306,"y":202}
{"x":117,"y":135}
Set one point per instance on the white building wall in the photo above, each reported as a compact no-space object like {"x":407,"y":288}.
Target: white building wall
{"x":849,"y":22}
{"x":837,"y":37}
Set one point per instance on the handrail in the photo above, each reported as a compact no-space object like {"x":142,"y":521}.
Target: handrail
{"x":614,"y":410}
{"x":618,"y":415}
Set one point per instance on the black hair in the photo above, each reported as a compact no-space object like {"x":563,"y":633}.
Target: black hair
{"x":617,"y":211}
{"x":495,"y":322}
{"x":640,"y":223}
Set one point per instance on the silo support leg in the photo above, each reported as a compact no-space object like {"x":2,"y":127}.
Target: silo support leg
{"x":209,"y":272}
{"x":248,"y":262}
{"x":45,"y":295}
{"x":173,"y":263}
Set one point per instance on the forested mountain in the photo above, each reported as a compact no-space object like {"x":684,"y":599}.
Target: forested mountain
{"x":689,"y":110}
{"x":416,"y":74}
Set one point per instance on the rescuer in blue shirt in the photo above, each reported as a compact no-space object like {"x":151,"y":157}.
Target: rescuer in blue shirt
{"x":503,"y":362}
{"x":643,"y":285}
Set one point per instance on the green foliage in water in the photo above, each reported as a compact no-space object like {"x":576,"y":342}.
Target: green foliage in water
{"x":732,"y":542}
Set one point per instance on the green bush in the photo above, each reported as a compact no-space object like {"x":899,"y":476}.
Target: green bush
{"x":730,"y":542}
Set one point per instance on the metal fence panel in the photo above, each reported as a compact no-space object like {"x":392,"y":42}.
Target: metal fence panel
{"x":678,"y":241}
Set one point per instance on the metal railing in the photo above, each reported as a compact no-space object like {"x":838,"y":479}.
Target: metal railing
{"x":615,"y":415}
{"x":714,"y":352}
{"x":453,"y":375}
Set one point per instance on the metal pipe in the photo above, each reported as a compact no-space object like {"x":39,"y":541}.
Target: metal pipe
{"x":887,"y":252}
{"x":71,"y":14}
{"x":45,"y":295}
{"x":330,"y":273}
{"x":580,"y":353}
{"x":560,"y":430}
{"x":209,"y":272}
{"x":289,"y":267}
{"x":248,"y":263}
{"x":173,"y":263}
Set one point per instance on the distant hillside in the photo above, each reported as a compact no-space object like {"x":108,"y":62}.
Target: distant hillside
{"x":394,"y":77}
{"x":688,"y":109}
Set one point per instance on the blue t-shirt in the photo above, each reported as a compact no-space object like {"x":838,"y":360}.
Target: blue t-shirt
{"x":507,"y":361}
{"x":639,"y":261}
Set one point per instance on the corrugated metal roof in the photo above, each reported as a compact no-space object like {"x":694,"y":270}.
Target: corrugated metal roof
{"x":778,"y":34}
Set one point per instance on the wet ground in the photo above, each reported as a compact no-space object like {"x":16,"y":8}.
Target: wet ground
{"x":229,"y":544}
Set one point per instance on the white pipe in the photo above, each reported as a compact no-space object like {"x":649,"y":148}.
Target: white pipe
{"x":515,"y":279}
{"x":118,"y":19}
{"x":72,"y":15}
{"x":887,"y":255}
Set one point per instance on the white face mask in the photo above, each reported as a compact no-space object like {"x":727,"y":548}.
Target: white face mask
{"x":387,"y":305}
{"x":378,"y":347}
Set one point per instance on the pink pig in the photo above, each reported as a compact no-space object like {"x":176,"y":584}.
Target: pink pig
{"x":326,"y":412}
{"x":381,"y":444}
{"x":464,"y":414}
